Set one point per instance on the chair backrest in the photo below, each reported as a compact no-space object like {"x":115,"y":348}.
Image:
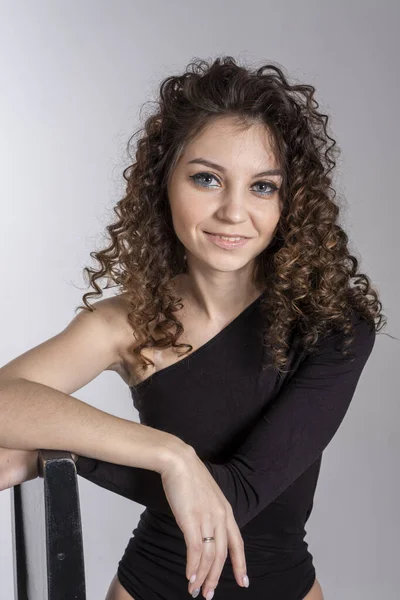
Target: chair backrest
{"x":48,"y":557}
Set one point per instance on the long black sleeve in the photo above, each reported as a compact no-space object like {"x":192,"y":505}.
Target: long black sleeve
{"x":291,"y":434}
{"x":140,"y":485}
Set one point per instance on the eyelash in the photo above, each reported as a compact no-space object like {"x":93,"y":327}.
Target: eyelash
{"x":274,"y":188}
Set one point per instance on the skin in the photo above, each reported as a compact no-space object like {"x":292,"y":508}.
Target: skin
{"x":117,"y":592}
{"x":219,"y":280}
{"x":218,"y":284}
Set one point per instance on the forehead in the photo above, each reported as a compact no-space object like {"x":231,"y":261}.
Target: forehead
{"x":232,"y":143}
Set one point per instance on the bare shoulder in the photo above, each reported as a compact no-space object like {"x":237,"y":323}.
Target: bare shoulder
{"x":116,"y":310}
{"x":127,"y":365}
{"x":113,"y":312}
{"x":93,"y":341}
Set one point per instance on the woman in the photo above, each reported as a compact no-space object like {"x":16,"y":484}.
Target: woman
{"x":226,"y":245}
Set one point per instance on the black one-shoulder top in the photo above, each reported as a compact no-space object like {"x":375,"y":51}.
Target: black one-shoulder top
{"x":260,"y":435}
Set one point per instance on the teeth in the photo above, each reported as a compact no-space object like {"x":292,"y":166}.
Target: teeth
{"x":232,"y":239}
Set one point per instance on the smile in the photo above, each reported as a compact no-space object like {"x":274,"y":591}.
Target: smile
{"x":227,"y":241}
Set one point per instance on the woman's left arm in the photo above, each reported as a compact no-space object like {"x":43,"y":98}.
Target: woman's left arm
{"x":140,"y":485}
{"x":291,"y":434}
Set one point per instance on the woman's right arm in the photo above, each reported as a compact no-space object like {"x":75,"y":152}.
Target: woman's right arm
{"x":38,"y":412}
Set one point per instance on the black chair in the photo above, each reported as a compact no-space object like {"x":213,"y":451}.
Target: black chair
{"x":48,"y":558}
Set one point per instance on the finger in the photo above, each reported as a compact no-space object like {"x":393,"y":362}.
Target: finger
{"x":221,"y":552}
{"x":206,"y":529}
{"x":194,"y":546}
{"x":236,"y":549}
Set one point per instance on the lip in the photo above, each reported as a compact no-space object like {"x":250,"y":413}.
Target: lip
{"x":226,"y":243}
{"x":227,"y":234}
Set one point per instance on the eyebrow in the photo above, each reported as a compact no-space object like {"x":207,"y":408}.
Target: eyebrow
{"x":208,"y":163}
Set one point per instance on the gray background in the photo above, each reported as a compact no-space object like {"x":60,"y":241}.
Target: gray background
{"x":74,"y":75}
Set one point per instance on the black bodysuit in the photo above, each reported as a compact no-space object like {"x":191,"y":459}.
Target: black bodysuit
{"x":260,"y":435}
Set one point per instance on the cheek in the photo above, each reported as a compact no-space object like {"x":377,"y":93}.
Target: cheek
{"x":267,"y":220}
{"x":189,"y":212}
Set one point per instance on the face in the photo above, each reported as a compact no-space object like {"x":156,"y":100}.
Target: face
{"x":231,"y":199}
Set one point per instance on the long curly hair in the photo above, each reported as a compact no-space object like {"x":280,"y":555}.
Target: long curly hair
{"x":308,"y":271}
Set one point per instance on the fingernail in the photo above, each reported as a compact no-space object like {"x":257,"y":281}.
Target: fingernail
{"x":210,"y":594}
{"x":195,"y":593}
{"x":246,"y":582}
{"x":193,"y":578}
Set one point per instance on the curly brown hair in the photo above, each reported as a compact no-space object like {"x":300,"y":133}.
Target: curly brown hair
{"x":311,"y":277}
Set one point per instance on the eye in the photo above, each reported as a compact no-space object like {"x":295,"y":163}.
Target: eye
{"x":198,"y":176}
{"x":272,"y":186}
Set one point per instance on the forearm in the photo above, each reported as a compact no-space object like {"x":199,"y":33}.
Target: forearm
{"x":139,"y":485}
{"x":35,"y":416}
{"x":284,"y":443}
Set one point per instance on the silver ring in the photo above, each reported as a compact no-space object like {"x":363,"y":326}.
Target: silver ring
{"x":208,"y":539}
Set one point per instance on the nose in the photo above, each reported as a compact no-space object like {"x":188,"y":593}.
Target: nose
{"x":232,"y":208}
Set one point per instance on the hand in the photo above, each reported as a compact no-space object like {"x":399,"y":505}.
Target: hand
{"x":17,"y":466}
{"x":201,"y":509}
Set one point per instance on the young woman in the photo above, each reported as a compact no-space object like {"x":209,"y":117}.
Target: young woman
{"x":227,"y":246}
